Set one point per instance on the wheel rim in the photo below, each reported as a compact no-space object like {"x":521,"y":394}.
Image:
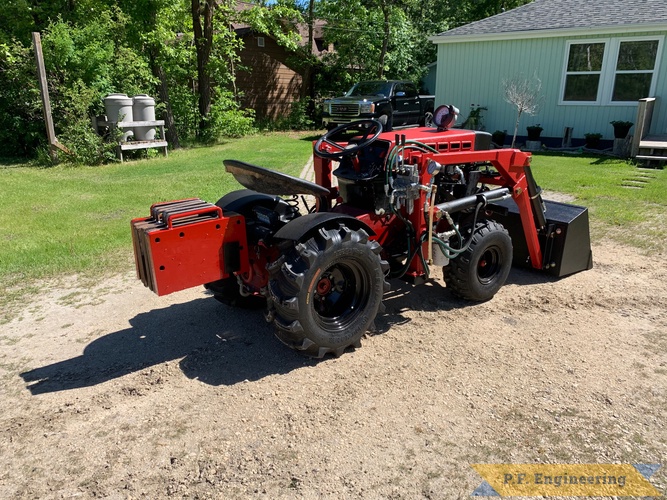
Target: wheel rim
{"x":489,"y":265}
{"x":341,"y":293}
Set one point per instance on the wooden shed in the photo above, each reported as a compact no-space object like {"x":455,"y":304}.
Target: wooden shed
{"x":271,"y":78}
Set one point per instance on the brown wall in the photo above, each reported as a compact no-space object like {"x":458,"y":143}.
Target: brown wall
{"x":269,"y":85}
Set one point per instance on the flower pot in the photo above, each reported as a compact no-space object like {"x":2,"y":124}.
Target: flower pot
{"x":498,"y":138}
{"x":593,"y":142}
{"x":534,"y":133}
{"x":621,"y":131}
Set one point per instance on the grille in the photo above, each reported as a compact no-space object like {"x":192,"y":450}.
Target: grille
{"x":345,"y":109}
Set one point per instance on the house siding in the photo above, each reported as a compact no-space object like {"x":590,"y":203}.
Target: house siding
{"x":473,"y":73}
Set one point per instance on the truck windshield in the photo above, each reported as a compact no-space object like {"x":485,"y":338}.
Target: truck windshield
{"x":370,"y":88}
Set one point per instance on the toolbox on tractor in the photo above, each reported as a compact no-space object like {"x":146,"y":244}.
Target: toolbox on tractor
{"x":402,"y":204}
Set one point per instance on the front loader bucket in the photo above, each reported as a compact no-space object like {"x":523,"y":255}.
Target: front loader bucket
{"x":188,"y":243}
{"x":565,"y":239}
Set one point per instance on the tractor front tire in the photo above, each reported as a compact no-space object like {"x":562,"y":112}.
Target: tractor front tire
{"x":479,"y":272}
{"x":327,"y":290}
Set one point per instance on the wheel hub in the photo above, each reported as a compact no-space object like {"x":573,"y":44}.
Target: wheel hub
{"x":489,"y":265}
{"x":324,"y":285}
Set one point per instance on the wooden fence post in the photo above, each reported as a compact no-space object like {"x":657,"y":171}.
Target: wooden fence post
{"x":54,"y":145}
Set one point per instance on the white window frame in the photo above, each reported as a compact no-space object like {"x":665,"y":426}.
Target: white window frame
{"x":260,"y":41}
{"x":565,"y":73}
{"x":608,"y":71}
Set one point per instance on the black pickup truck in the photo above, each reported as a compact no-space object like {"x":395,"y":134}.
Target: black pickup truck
{"x":394,"y":103}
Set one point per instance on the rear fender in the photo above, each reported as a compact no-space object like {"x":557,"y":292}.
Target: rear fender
{"x":299,"y":228}
{"x":243,"y":200}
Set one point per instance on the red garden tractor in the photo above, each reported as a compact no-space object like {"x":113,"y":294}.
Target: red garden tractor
{"x":400,"y":204}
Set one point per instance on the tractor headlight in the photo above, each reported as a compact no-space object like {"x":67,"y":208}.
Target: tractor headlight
{"x":367,"y":107}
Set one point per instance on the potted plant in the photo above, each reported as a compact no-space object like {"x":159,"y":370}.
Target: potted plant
{"x":621,"y":128}
{"x":498,"y":137}
{"x":593,"y":140}
{"x":534,"y":132}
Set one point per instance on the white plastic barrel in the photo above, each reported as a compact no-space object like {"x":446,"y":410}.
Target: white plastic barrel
{"x":144,"y":111}
{"x":118,"y":108}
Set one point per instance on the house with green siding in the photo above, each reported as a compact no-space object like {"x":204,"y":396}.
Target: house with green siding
{"x":595,"y":59}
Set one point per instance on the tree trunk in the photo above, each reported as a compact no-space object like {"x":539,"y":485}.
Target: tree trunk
{"x":202,"y":23}
{"x":516,"y":128}
{"x":385,"y":40}
{"x":309,"y":71}
{"x":163,"y":90}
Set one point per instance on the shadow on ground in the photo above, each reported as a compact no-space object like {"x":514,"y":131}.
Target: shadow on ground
{"x":219,"y":345}
{"x":216,"y":344}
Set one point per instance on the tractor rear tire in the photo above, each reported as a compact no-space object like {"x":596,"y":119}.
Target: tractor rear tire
{"x":327,"y":290}
{"x":227,"y":292}
{"x":479,"y":272}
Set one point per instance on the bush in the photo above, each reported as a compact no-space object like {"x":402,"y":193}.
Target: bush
{"x":299,"y":118}
{"x":75,"y":130}
{"x":227,"y":120}
{"x":22,"y":129}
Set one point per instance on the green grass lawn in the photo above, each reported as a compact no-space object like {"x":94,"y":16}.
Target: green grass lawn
{"x":626,"y":204}
{"x":76,"y":220}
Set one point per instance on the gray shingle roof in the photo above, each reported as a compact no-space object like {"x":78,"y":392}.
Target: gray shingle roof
{"x":568,"y":14}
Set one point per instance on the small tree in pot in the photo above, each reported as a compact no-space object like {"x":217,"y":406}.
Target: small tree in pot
{"x":524,"y":95}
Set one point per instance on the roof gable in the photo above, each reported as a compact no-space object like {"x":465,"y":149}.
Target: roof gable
{"x":541,"y":16}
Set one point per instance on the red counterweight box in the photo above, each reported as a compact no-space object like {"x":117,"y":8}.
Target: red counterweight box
{"x":186,"y":243}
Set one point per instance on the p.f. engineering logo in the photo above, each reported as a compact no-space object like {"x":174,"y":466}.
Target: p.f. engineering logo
{"x":559,"y":480}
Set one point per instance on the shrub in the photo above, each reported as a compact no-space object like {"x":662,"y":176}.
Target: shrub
{"x":299,"y":118}
{"x":22,"y":128}
{"x":227,"y":120}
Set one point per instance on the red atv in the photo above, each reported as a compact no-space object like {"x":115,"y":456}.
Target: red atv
{"x":401,"y":204}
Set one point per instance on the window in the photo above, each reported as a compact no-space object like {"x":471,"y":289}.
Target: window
{"x":584,"y":67}
{"x":634,"y":70}
{"x":260,"y":41}
{"x":408,"y":89}
{"x":611,"y":71}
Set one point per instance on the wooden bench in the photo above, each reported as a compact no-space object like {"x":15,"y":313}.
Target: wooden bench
{"x":160,"y":142}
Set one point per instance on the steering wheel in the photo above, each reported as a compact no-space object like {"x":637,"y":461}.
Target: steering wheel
{"x":373,"y":129}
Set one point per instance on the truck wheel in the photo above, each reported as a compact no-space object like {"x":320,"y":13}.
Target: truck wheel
{"x":327,"y":292}
{"x":479,"y":272}
{"x":386,"y":120}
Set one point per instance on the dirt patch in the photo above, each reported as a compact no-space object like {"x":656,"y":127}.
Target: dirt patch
{"x":114,"y":392}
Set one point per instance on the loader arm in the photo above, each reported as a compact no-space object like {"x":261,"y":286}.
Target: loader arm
{"x":513,"y":167}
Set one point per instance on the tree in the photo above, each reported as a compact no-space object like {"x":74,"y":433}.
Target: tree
{"x":372,"y":39}
{"x":467,"y":11}
{"x":152,"y":23}
{"x":524,"y":95}
{"x":202,"y":25}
